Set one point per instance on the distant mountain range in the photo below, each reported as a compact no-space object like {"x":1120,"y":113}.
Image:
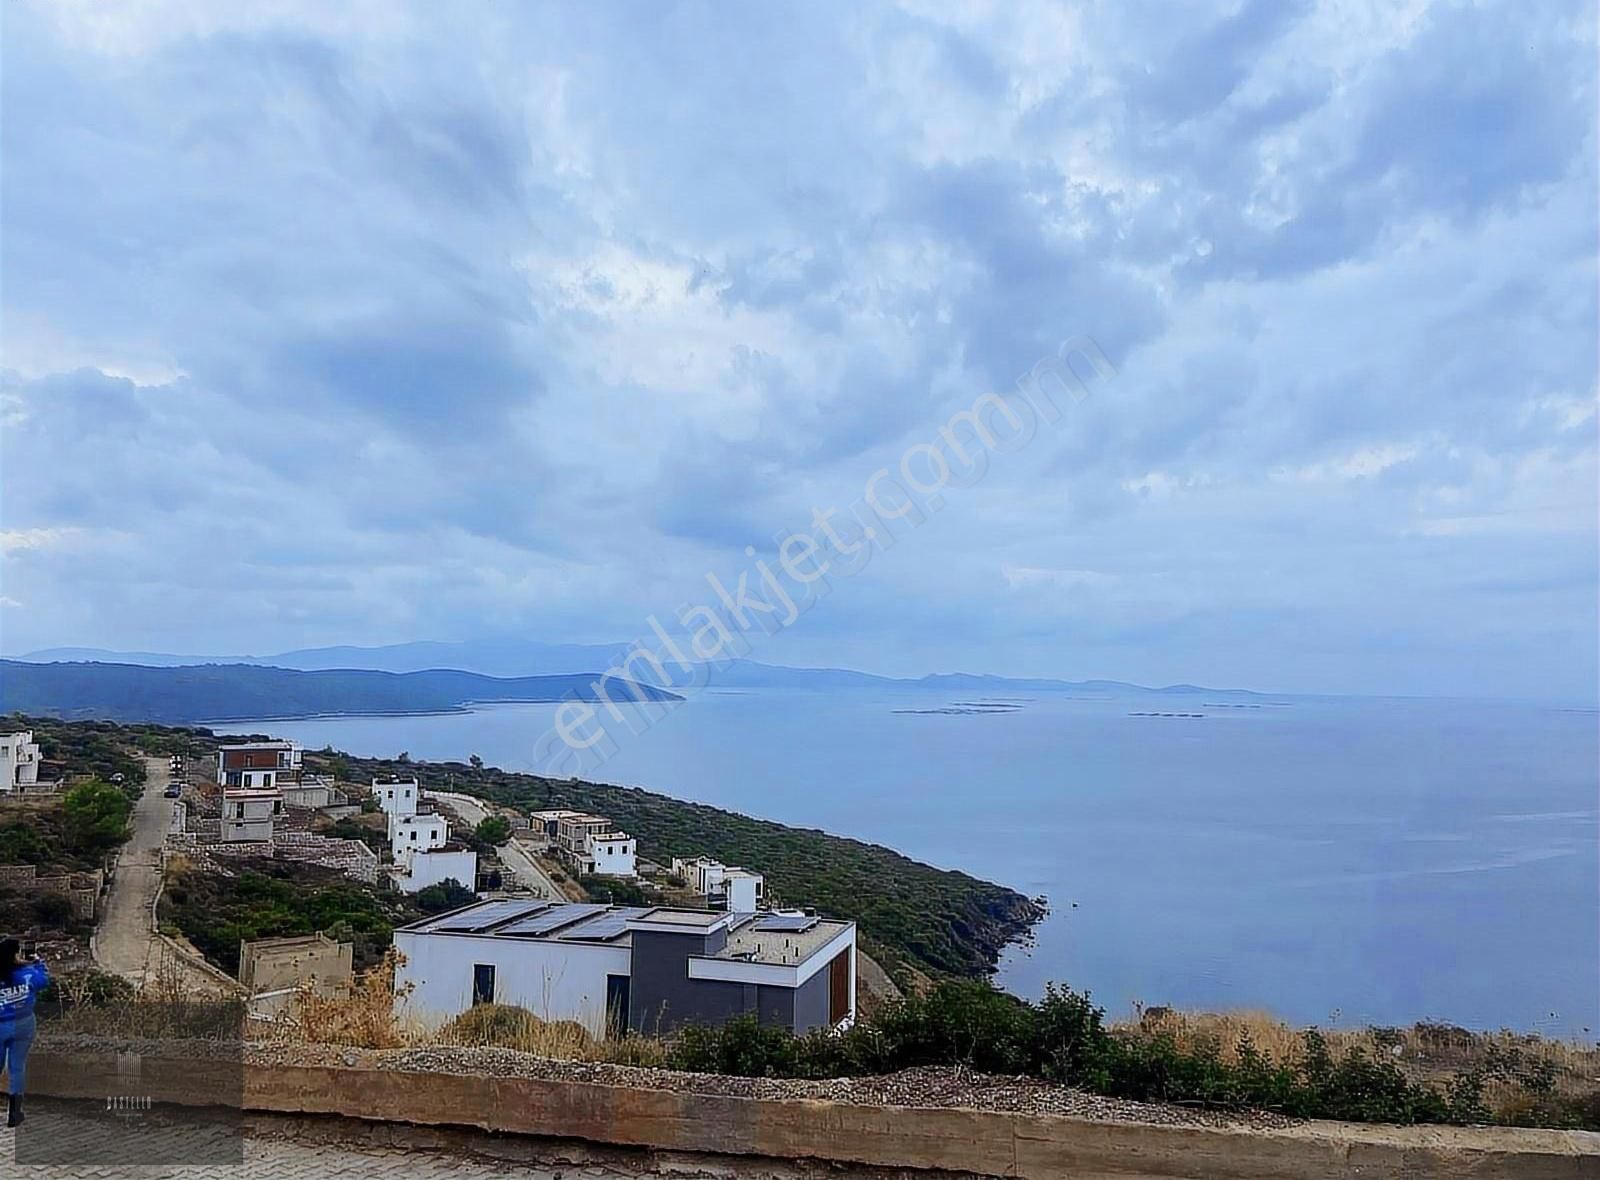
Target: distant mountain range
{"x":217,"y":692}
{"x":523,"y":659}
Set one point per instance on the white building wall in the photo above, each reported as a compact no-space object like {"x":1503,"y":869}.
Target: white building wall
{"x":741,"y":891}
{"x":614,"y":858}
{"x":553,"y":980}
{"x":19,"y":760}
{"x":418,"y":832}
{"x":397,"y":798}
{"x":420,"y":869}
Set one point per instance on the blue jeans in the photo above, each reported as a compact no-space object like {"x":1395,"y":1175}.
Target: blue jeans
{"x":16,"y":1037}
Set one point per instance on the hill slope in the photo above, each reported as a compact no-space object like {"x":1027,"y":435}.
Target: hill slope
{"x":516,"y":657}
{"x":209,"y":692}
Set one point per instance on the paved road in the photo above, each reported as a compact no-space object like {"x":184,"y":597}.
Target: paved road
{"x":58,"y":1132}
{"x":518,"y":863}
{"x":124,"y":943}
{"x":123,"y":938}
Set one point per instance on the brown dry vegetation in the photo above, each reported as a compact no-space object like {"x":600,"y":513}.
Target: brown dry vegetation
{"x":1519,"y":1065}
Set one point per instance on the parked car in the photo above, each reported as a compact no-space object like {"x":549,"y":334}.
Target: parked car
{"x":173,"y":791}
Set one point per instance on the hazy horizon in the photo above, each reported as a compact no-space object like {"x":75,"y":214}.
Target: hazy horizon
{"x":154,"y":659}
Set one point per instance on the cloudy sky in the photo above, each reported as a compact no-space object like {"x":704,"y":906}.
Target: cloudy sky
{"x":362,"y":324}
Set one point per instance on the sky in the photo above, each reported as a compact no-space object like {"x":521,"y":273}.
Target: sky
{"x":369,"y":323}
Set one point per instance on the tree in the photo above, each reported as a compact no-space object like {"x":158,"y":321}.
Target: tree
{"x":96,"y":815}
{"x":477,"y":762}
{"x":448,"y":894}
{"x":494,"y":830}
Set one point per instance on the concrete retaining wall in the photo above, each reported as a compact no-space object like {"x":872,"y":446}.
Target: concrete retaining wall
{"x":997,"y":1144}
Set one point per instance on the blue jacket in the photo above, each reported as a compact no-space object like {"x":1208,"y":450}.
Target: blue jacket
{"x":17,"y":997}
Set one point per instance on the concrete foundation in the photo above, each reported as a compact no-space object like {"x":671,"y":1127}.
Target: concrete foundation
{"x":986,"y":1143}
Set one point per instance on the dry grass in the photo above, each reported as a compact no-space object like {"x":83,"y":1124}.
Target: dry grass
{"x":362,"y":1015}
{"x":359,"y":1014}
{"x":1517,"y":1065}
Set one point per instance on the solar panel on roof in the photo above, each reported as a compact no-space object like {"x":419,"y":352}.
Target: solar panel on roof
{"x":552,"y":919}
{"x":786,"y":923}
{"x":607,"y":925}
{"x":481,"y":917}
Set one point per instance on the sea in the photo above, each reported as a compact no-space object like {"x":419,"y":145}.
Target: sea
{"x":1332,"y":861}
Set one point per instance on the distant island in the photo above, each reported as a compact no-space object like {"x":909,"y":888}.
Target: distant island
{"x":514,"y":657}
{"x":217,"y":692}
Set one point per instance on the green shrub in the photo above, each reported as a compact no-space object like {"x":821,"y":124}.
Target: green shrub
{"x":448,"y":894}
{"x":20,"y":845}
{"x":960,"y":1023}
{"x":84,"y":989}
{"x":96,"y":815}
{"x":493,"y":830}
{"x":741,"y":1047}
{"x":615,"y":890}
{"x":1063,"y":1038}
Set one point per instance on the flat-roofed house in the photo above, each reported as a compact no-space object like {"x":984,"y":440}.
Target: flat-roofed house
{"x":594,"y":845}
{"x":417,"y":833}
{"x":725,"y":887}
{"x":416,"y":869}
{"x":258,"y":765}
{"x":19,"y":761}
{"x":646,"y":969}
{"x":397,"y":796}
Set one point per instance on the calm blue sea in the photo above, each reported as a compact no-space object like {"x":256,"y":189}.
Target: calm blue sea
{"x":1328,"y":860}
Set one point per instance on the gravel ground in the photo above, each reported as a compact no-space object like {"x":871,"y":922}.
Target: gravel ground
{"x":932,"y":1086}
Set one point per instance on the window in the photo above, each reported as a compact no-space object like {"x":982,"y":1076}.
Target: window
{"x":617,"y":1004}
{"x":238,"y":812}
{"x":483,"y":983}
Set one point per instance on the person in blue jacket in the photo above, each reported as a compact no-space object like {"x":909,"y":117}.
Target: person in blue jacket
{"x":21,"y":981}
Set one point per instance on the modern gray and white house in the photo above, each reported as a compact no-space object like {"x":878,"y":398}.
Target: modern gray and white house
{"x":645,"y":969}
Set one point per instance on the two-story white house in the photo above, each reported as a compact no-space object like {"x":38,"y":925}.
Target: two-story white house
{"x":417,"y":833}
{"x":726,"y":887}
{"x":593,"y":845}
{"x":397,"y":796}
{"x":19,"y":761}
{"x":253,"y":766}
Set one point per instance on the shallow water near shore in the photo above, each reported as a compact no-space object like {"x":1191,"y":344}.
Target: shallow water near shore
{"x":1334,"y":861}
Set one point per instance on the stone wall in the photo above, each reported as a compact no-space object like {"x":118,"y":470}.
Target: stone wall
{"x":350,"y":857}
{"x":987,"y":1143}
{"x":82,"y":889}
